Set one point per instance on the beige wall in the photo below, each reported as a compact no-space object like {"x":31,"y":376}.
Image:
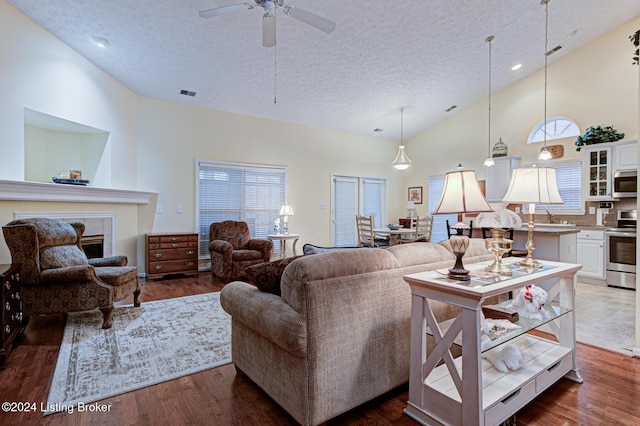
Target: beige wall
{"x":173,"y":136}
{"x":594,"y":85}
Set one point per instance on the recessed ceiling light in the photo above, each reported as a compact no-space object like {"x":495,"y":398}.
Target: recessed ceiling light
{"x":101,"y":42}
{"x":516,"y":67}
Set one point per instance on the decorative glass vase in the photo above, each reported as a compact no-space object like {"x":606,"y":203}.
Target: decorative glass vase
{"x":500,"y":149}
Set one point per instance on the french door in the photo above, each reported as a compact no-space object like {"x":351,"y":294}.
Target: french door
{"x":352,"y":195}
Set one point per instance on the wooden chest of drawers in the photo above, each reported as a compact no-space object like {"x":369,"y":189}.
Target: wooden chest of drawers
{"x":173,"y":253}
{"x":11,"y":318}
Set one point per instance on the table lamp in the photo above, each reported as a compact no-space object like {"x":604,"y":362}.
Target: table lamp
{"x":286,"y":210}
{"x":532,"y":185}
{"x":411,"y":209}
{"x":461,"y":194}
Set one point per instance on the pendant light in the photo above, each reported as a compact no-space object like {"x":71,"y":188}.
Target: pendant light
{"x":489,"y":161}
{"x":401,"y":162}
{"x":544,"y":153}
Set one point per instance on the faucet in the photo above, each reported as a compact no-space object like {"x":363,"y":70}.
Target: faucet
{"x":549,"y":216}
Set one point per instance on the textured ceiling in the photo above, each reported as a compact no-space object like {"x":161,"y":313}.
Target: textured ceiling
{"x":425,"y":55}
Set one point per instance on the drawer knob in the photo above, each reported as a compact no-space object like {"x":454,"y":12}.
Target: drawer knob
{"x":158,"y":267}
{"x":190,"y":252}
{"x":7,"y":285}
{"x":174,"y":245}
{"x":157,"y":255}
{"x":7,"y":329}
{"x":7,"y":306}
{"x":174,"y":239}
{"x":189,"y":263}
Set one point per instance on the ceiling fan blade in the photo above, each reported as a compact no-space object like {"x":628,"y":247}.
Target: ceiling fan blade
{"x":225,"y":10}
{"x":316,"y":21}
{"x":268,"y":30}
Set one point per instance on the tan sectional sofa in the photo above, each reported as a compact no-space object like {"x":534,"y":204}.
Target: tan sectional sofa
{"x":339,"y":334}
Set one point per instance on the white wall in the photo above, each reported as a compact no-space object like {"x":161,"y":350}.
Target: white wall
{"x":41,"y":73}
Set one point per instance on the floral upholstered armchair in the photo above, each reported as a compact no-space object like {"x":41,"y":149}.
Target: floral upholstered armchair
{"x":232,"y":249}
{"x":57,"y":277}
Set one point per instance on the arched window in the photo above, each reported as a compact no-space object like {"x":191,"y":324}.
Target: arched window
{"x":557,"y":128}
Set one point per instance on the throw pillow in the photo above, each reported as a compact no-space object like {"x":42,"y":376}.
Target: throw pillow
{"x":266,"y":276}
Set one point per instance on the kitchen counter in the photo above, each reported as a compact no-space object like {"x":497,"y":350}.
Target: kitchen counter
{"x":560,"y":230}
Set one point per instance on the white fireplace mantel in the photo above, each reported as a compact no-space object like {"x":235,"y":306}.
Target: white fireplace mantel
{"x":40,"y":191}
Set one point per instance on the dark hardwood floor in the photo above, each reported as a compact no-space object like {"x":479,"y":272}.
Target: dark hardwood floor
{"x":610,"y":394}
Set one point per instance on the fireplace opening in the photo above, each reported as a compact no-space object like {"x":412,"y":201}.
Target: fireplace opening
{"x":93,"y":245}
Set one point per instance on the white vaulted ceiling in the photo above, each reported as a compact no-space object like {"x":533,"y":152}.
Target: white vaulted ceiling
{"x":426,"y":55}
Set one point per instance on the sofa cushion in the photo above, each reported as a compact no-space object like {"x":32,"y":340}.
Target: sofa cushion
{"x":266,"y":276}
{"x":62,"y":257}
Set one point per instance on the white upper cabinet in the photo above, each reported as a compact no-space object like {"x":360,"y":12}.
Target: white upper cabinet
{"x":499,"y":176}
{"x":625,"y":155}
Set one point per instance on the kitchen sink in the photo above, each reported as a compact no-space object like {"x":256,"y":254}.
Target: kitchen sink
{"x":553,"y":225}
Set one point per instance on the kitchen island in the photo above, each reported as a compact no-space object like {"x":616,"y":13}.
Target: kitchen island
{"x":553,"y":242}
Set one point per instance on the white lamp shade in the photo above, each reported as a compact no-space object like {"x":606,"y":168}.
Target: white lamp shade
{"x":533,"y":185}
{"x":286,"y":210}
{"x":411,"y":205}
{"x":462,"y":194}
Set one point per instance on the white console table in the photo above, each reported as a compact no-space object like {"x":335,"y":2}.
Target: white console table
{"x":467,"y":390}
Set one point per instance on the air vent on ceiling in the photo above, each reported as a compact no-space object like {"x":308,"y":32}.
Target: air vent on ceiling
{"x":451,"y":108}
{"x":554,"y":50}
{"x":187,"y":93}
{"x":377,"y":130}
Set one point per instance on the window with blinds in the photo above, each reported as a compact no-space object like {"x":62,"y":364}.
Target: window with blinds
{"x":439,"y":226}
{"x":242,"y":192}
{"x":569,"y":180}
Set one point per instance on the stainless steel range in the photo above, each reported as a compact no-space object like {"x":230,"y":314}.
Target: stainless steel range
{"x":621,"y":251}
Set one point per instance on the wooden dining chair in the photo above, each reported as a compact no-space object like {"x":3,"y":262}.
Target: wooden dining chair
{"x":422,"y":230}
{"x":366,"y":233}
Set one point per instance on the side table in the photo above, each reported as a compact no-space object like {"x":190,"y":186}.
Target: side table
{"x":283,"y":238}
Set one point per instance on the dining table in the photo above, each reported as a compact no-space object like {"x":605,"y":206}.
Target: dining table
{"x":394,"y":234}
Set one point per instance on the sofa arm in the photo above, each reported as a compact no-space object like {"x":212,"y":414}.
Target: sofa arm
{"x":109,"y":261}
{"x":220,"y":246}
{"x":266,"y":314}
{"x":263,"y":246}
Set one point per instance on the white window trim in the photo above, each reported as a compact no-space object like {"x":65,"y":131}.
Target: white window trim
{"x":541,"y":124}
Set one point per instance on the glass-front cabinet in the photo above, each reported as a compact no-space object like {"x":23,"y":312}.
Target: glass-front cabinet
{"x":598,"y":173}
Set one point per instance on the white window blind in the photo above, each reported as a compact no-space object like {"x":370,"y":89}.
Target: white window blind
{"x":373,"y":203}
{"x":345,"y":205}
{"x":233,"y":191}
{"x":439,"y":226}
{"x":569,"y":180}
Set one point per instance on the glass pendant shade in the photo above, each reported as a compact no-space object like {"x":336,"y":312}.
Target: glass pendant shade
{"x":489,"y":162}
{"x":401,"y":162}
{"x":544,"y":154}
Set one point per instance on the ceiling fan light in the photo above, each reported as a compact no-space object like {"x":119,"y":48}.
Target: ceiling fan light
{"x":489,"y":162}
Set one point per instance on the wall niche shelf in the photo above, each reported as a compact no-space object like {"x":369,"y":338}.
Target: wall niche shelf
{"x":51,"y":192}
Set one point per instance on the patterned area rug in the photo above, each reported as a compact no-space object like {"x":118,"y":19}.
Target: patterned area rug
{"x":154,"y":343}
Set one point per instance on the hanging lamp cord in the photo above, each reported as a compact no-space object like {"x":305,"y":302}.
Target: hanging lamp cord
{"x":546,"y":57}
{"x":275,"y":63}
{"x":489,"y":39}
{"x":401,"y":126}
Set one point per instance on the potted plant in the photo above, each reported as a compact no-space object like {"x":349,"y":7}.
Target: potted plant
{"x":635,"y":39}
{"x":598,"y":134}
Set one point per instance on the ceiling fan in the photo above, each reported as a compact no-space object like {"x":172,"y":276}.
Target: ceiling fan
{"x":269,"y":18}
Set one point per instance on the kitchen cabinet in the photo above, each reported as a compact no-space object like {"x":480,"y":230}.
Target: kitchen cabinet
{"x":590,"y":251}
{"x":597,"y":170}
{"x":498,"y":177}
{"x":625,"y":155}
